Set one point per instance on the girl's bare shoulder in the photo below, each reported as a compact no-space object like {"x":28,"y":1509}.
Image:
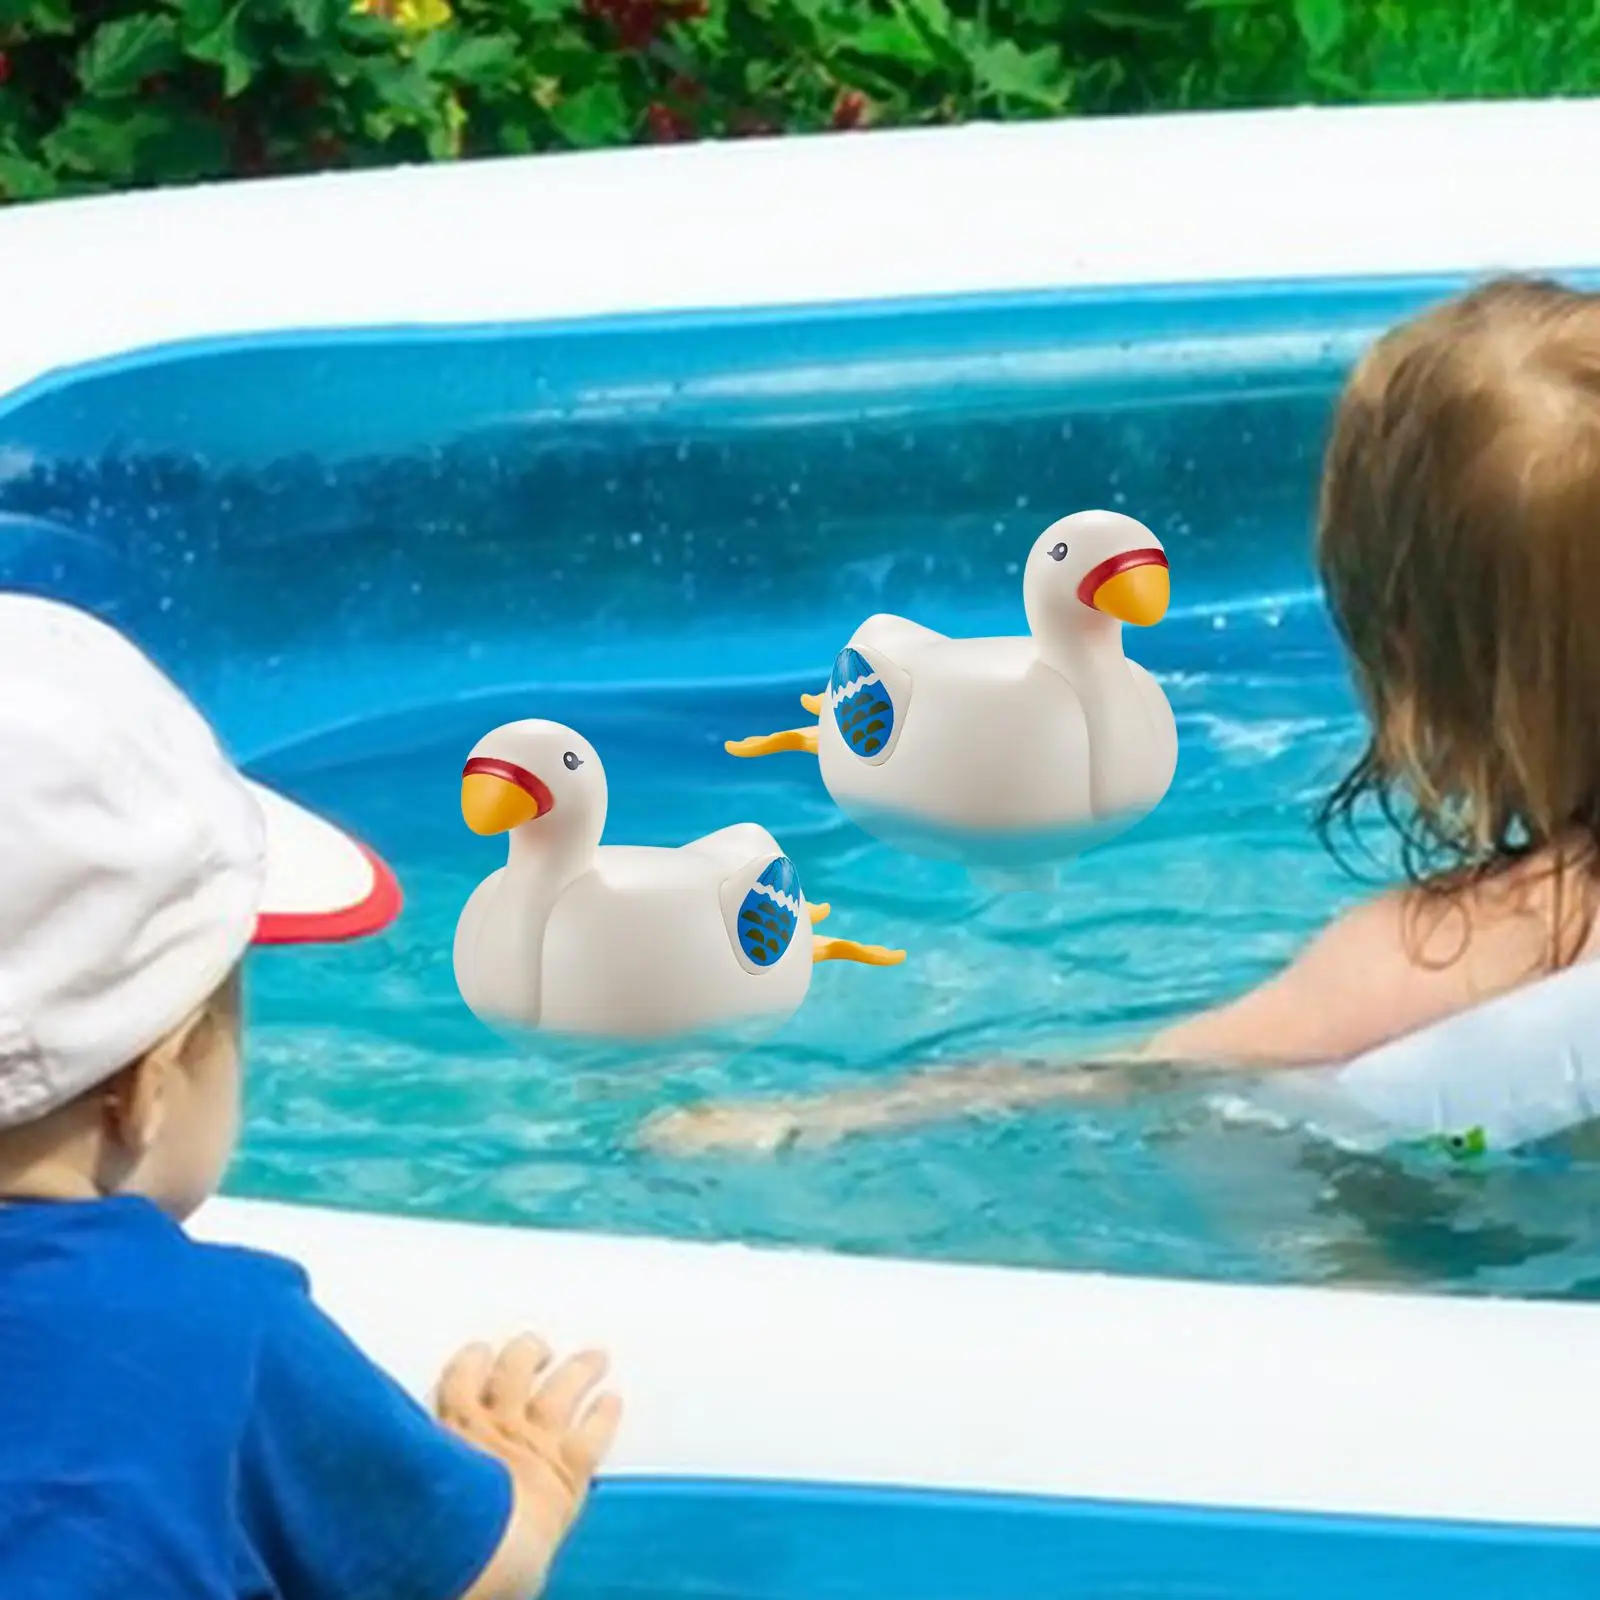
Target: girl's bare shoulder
{"x":1507,"y":926}
{"x":1399,"y":962}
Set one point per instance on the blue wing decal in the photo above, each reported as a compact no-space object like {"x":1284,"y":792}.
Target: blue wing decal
{"x":861,"y":705}
{"x":770,"y":913}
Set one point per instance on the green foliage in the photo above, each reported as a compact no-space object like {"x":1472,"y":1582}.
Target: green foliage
{"x":98,"y":94}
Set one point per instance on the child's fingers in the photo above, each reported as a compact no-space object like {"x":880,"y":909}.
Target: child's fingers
{"x":557,"y":1401}
{"x":590,"y":1441}
{"x":465,"y":1377}
{"x":512,"y":1376}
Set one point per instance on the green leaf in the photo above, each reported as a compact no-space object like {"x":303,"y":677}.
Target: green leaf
{"x":404,"y":88}
{"x":1321,"y":24}
{"x":122,"y":54}
{"x":893,"y":39}
{"x":325,"y":61}
{"x":1338,"y":83}
{"x":434,"y":48}
{"x":1133,"y":22}
{"x":143,"y":143}
{"x":368,"y":28}
{"x":1034,"y":76}
{"x":318,"y":19}
{"x":22,"y":179}
{"x":760,"y":76}
{"x":931,"y":18}
{"x":516,"y":139}
{"x":229,"y":46}
{"x":197,"y":18}
{"x":477,"y":62}
{"x":932,"y":21}
{"x":102,"y":142}
{"x":39,"y":16}
{"x":546,"y":10}
{"x":595,"y":115}
{"x":577,"y":68}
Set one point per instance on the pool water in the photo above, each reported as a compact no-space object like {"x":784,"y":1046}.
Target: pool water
{"x":362,"y":557}
{"x":373,"y":1085}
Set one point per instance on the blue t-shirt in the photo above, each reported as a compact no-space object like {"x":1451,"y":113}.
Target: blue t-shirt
{"x":178,"y":1421}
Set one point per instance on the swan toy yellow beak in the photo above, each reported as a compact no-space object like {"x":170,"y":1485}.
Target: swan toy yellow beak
{"x":1133,"y":586}
{"x":497,"y":796}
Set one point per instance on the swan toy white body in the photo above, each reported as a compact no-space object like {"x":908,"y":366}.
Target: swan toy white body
{"x":623,"y":941}
{"x":1053,"y":740}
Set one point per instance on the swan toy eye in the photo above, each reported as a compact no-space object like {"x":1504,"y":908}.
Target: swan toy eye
{"x":1058,"y":552}
{"x":572,"y":761}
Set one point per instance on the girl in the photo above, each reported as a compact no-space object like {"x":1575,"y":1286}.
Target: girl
{"x":1458,"y":543}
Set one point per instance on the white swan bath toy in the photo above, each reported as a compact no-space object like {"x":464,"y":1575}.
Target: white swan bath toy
{"x":1006,"y":751}
{"x":623,"y":941}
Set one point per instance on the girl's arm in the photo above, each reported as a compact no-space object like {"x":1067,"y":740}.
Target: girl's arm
{"x":1380,"y":970}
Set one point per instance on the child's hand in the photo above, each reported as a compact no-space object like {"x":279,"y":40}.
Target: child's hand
{"x":544,"y":1422}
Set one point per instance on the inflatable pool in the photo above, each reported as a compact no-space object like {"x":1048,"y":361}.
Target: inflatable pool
{"x":805,"y":1424}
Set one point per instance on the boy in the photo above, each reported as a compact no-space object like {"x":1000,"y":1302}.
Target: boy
{"x":178,"y":1419}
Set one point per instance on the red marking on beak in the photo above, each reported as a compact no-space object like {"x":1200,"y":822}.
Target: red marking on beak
{"x":488,"y":767}
{"x":1113,"y":566}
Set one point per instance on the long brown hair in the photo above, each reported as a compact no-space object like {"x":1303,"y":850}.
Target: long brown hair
{"x":1458,"y":543}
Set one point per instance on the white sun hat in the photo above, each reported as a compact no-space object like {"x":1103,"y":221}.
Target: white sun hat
{"x":136,"y":863}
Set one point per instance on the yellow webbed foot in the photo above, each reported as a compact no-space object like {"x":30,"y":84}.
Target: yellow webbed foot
{"x":768,"y":744}
{"x":813,"y":703}
{"x":869,"y":955}
{"x":819,"y":911}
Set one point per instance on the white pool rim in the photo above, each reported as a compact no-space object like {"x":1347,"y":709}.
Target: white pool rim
{"x":797,"y":1367}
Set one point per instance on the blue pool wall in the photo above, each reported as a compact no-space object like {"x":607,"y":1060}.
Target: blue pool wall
{"x":641,"y":1538}
{"x":264,"y":507}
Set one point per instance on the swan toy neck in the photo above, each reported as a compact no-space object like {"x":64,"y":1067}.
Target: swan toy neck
{"x":1085,"y":651}
{"x":539,"y":870}
{"x":544,"y":860}
{"x":534,"y":859}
